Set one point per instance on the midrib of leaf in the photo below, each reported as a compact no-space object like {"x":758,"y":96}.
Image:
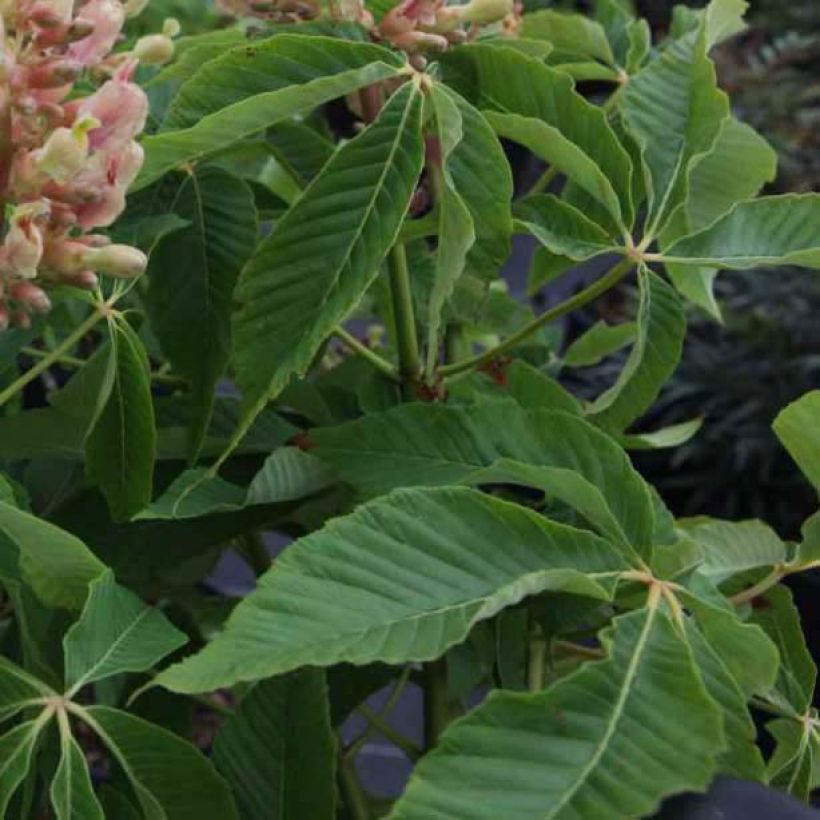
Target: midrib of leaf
{"x":617,"y":713}
{"x":374,"y":196}
{"x":12,"y":669}
{"x":108,"y":652}
{"x":802,"y":750}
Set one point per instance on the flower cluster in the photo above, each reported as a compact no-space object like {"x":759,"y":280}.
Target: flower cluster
{"x":277,"y":10}
{"x":66,"y":159}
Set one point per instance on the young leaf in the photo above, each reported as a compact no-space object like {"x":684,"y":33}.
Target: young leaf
{"x":661,"y":328}
{"x":456,"y":232}
{"x":72,"y":795}
{"x":121,"y":446}
{"x":170,"y":777}
{"x":335,"y":597}
{"x":600,"y":341}
{"x":192,"y":275}
{"x":772,"y":230}
{"x":55,"y":564}
{"x":278,"y":752}
{"x":675,"y":110}
{"x":538,"y":106}
{"x":115,"y":633}
{"x":570,"y":751}
{"x":796,"y":427}
{"x":572,"y":34}
{"x":497,"y":442}
{"x":254,"y":86}
{"x":324,"y":253}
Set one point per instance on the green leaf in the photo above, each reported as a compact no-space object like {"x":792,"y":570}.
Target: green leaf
{"x":278,"y":752}
{"x":17,"y":687}
{"x":55,"y":564}
{"x":573,"y":34}
{"x":794,"y":764}
{"x":600,"y":341}
{"x":672,"y":436}
{"x":808,"y":551}
{"x":731,"y":547}
{"x":325,"y":252}
{"x":121,"y":446}
{"x":765,"y":232}
{"x":72,"y":794}
{"x":16,"y":750}
{"x":570,"y":751}
{"x":116,"y":633}
{"x":797,"y":674}
{"x":537,"y":105}
{"x":675,"y":111}
{"x":661,"y":329}
{"x":560,"y":227}
{"x":422,"y":444}
{"x":254,"y":86}
{"x":456,"y":557}
{"x":797,"y":428}
{"x":171,"y":779}
{"x":192,"y":275}
{"x":288,"y":474}
{"x":456,"y":233}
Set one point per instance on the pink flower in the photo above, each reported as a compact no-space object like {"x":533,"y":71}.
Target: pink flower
{"x":107,"y":18}
{"x":121,"y":109}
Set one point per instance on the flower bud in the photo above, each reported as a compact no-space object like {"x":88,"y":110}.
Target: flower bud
{"x":155,"y":49}
{"x":119,"y":261}
{"x":133,"y":8}
{"x":34,"y":298}
{"x":484,"y":12}
{"x":23,"y":245}
{"x":54,"y":74}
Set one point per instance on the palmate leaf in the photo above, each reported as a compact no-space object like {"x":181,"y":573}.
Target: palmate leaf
{"x":402,"y":578}
{"x":192,"y":275}
{"x":674,"y":109}
{"x":254,"y":86}
{"x":54,"y":563}
{"x":115,"y":633}
{"x":121,"y":446}
{"x":72,"y":794}
{"x":531,"y":103}
{"x":606,"y":741}
{"x":498,"y":442}
{"x":661,"y":327}
{"x":571,"y":34}
{"x":326,"y":250}
{"x":278,"y":751}
{"x":17,"y":687}
{"x":171,"y":779}
{"x":795,"y":764}
{"x":288,"y":474}
{"x":772,"y":230}
{"x":16,"y":750}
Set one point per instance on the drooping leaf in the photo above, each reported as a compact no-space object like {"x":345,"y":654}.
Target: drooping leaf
{"x":561,"y":228}
{"x":278,"y":752}
{"x":675,"y":111}
{"x":600,"y":341}
{"x":537,"y":105}
{"x":16,"y":750}
{"x":121,"y":446}
{"x":403,"y":578}
{"x":497,"y":442}
{"x":288,"y":474}
{"x":574,"y":34}
{"x":661,"y":327}
{"x":324,"y":253}
{"x":796,"y":427}
{"x":797,"y":674}
{"x":254,"y":86}
{"x":570,"y":751}
{"x":772,"y":230}
{"x":72,"y":794}
{"x":55,"y":564}
{"x":170,"y":777}
{"x":793,"y":766}
{"x":192,"y":275}
{"x":115,"y":633}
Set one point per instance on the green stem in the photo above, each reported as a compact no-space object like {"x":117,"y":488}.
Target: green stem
{"x":379,"y":722}
{"x":544,"y":181}
{"x":30,"y":375}
{"x":356,"y":801}
{"x":255,"y":552}
{"x":382,"y":365}
{"x":760,"y":588}
{"x":407,"y":341}
{"x":580,"y":299}
{"x":770,"y":708}
{"x":436,"y":704}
